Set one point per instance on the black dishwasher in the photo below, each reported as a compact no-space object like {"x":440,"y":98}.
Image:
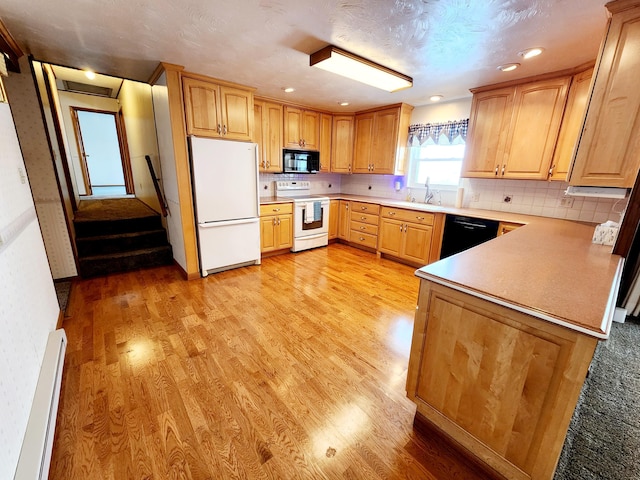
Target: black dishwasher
{"x":461,"y":233}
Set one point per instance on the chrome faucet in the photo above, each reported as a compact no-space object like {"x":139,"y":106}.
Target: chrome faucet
{"x":428,"y":194}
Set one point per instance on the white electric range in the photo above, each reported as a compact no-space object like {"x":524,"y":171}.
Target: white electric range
{"x":310,"y":214}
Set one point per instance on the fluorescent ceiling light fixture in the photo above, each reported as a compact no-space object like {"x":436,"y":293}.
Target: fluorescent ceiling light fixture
{"x":435,"y":98}
{"x":341,"y":62}
{"x":531,"y":52}
{"x":89,"y":74}
{"x":508,"y":67}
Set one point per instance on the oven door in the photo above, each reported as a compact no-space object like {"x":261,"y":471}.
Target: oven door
{"x":307,"y":224}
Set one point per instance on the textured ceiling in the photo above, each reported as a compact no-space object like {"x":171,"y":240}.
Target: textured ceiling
{"x":447,"y":46}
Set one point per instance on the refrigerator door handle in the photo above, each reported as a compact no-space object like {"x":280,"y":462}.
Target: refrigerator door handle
{"x":225,"y":223}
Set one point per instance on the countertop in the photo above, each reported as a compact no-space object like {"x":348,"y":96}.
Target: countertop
{"x":548,"y":268}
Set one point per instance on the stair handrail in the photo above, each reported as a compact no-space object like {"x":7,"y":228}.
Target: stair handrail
{"x":163,"y":205}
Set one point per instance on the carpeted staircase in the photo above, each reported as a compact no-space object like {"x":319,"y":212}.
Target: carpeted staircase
{"x":118,"y":235}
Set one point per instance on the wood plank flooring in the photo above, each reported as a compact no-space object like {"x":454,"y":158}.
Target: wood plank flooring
{"x":292,"y":369}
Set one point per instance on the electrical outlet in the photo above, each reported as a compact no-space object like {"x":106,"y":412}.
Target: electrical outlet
{"x":475,"y":197}
{"x":566,"y":202}
{"x":507,"y":198}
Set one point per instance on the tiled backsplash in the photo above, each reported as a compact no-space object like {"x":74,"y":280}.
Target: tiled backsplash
{"x":529,"y":197}
{"x":540,"y":198}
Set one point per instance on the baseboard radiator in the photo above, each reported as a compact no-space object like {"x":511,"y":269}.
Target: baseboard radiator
{"x":35,"y":456}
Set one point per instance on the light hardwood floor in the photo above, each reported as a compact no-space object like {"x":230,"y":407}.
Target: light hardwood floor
{"x":292,"y":369}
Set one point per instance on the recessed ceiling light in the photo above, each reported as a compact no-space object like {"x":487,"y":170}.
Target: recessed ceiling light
{"x":531,"y":52}
{"x":288,"y":89}
{"x":508,"y":67}
{"x":89,"y":74}
{"x":435,"y":98}
{"x":343,"y":104}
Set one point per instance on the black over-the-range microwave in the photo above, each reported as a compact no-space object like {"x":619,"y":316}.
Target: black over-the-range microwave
{"x":300,"y":161}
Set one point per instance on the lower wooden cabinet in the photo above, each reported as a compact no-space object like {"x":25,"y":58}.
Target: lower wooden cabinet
{"x":276,"y":227}
{"x":334,"y":218}
{"x":363,"y":224}
{"x":406,"y":234}
{"x":344,"y":219}
{"x":503,"y":384}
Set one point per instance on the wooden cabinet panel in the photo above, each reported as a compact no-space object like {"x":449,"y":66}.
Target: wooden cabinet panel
{"x":506,"y":227}
{"x":235,"y":106}
{"x":202,"y":107}
{"x":535,"y":124}
{"x":371,"y":219}
{"x":334,"y":218}
{"x":276,"y":227}
{"x":363,"y":143}
{"x":488,"y":125}
{"x":276,"y":209}
{"x":364,"y":239}
{"x":607,"y":152}
{"x":571,"y":125}
{"x":342,"y":143}
{"x":385,"y":140}
{"x":503,"y":384}
{"x":416,"y":244}
{"x":326,"y":126}
{"x":414,"y":216}
{"x":301,"y":128}
{"x":285,"y":231}
{"x":268,"y":135}
{"x":364,"y":227}
{"x":268,"y":239}
{"x":219,"y":111}
{"x":345,"y":220}
{"x":364,"y":207}
{"x":391,"y":234}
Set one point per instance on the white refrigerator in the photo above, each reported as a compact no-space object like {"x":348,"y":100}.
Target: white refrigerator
{"x":225,"y":184}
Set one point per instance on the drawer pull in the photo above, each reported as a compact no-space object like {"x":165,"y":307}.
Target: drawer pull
{"x":363,"y":218}
{"x":363,"y":228}
{"x":420,"y":218}
{"x":392,"y":213}
{"x":362,"y":239}
{"x":276,"y":209}
{"x":363,"y":208}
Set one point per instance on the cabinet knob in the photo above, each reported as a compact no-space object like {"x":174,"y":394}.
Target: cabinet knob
{"x":278,"y":220}
{"x":363,"y":228}
{"x":276,"y":209}
{"x":224,"y":129}
{"x":551,"y":170}
{"x":219,"y":129}
{"x":405,"y":228}
{"x":392,"y":213}
{"x":400,"y":227}
{"x":274,"y":221}
{"x":362,"y":239}
{"x":420,"y":218}
{"x":363,"y":208}
{"x":363,"y":218}
{"x":503,"y":167}
{"x":497,"y":166}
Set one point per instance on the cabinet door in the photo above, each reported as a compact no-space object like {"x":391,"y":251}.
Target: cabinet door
{"x":334,"y":218}
{"x":345,"y":215}
{"x":268,"y":240}
{"x":235,"y":106}
{"x":385,"y":141}
{"x":488,"y":123}
{"x":272,"y":127}
{"x":258,"y":133}
{"x":535,"y":124}
{"x":292,"y":127}
{"x":201,"y":100}
{"x":310,"y":130}
{"x":326,"y":123}
{"x":607,"y":152}
{"x":416,"y":243}
{"x":284,"y":229}
{"x":571,"y":125}
{"x":342,"y":144}
{"x":363,"y":143}
{"x":391,"y":233}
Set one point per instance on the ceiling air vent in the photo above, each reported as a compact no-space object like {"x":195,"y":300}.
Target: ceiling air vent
{"x":77,"y":87}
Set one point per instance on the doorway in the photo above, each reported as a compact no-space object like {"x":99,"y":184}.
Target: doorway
{"x":103,"y":152}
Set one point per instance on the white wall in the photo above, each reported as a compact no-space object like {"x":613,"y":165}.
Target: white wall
{"x":27,"y":115}
{"x":67,"y":100}
{"x":442,"y":111}
{"x":168,"y":170}
{"x":137,"y":110}
{"x":28,"y":304}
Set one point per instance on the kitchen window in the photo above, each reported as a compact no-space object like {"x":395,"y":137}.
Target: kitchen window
{"x":435,"y":153}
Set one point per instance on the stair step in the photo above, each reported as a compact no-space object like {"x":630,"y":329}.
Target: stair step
{"x":97,"y":265}
{"x":120,"y":243}
{"x":94,"y":228}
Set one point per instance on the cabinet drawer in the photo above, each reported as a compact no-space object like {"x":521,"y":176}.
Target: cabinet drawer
{"x":414,"y":216}
{"x":276,"y":209}
{"x":371,"y":219}
{"x":361,"y":207}
{"x":365,"y":239}
{"x":364,"y":228}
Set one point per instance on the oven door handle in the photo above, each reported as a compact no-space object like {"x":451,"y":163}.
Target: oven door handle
{"x":315,"y":235}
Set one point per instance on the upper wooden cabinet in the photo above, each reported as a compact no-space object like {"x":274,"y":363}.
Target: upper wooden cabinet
{"x":607,"y":151}
{"x":342,"y":143}
{"x":380,"y":144}
{"x":513,"y":130}
{"x":268,"y":134}
{"x":571,"y":125}
{"x":326,"y":123}
{"x":301,"y":128}
{"x":216,"y":110}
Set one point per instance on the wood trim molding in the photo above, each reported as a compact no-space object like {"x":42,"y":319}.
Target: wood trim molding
{"x":124,"y":153}
{"x":217,"y":81}
{"x":9,"y":46}
{"x":568,"y":72}
{"x":60,"y":320}
{"x":161,"y":68}
{"x":621,"y":5}
{"x":81,"y":153}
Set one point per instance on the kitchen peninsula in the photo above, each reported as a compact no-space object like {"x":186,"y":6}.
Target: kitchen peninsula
{"x":503,"y":337}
